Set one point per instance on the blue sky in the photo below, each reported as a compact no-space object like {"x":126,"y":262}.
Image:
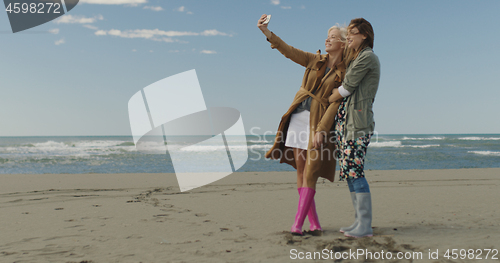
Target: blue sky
{"x":75,"y":75}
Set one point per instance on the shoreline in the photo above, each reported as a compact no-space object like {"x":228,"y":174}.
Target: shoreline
{"x":119,"y":180}
{"x":243,"y":217}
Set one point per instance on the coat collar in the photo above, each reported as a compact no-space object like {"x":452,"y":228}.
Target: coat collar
{"x":320,"y":65}
{"x":322,"y":58}
{"x":321,"y":68}
{"x":340,"y":70}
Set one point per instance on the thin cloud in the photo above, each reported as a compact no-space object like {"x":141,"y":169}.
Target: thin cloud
{"x":145,"y":33}
{"x":59,"y":42}
{"x":214,"y":32}
{"x":69,"y":19}
{"x":90,"y":27}
{"x":54,"y":31}
{"x":169,"y":40}
{"x":158,"y":35}
{"x":275,"y":2}
{"x":286,"y":7}
{"x":208,"y":52}
{"x":100,"y":33}
{"x":114,"y":2}
{"x":154,"y":8}
{"x":165,"y":39}
{"x":183,"y":9}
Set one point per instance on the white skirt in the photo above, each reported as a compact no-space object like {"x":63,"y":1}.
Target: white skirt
{"x":298,"y":131}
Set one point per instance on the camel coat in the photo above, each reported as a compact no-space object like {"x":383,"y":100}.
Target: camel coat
{"x":319,"y":162}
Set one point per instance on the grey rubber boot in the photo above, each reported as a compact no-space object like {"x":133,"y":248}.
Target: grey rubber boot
{"x":349,"y":228}
{"x":364,"y":209}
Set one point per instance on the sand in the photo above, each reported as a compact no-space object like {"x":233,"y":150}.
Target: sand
{"x":244,"y":217}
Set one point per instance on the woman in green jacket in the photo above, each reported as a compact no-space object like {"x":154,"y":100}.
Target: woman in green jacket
{"x":354,"y":121}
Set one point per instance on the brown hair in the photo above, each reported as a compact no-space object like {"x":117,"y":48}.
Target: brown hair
{"x":366,"y":29}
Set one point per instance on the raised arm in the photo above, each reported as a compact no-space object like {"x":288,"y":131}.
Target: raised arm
{"x":263,"y":27}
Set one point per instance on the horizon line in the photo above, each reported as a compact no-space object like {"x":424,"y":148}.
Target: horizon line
{"x":393,"y":134}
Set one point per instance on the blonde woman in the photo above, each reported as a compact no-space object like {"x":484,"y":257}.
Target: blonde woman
{"x":305,"y":136}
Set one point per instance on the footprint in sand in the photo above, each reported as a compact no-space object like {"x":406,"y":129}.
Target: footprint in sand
{"x":160,"y":215}
{"x":201,"y":214}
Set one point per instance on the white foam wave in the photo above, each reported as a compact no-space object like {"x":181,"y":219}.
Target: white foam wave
{"x":212,"y":148}
{"x":423,"y":146}
{"x":50,"y":145}
{"x":97,"y":143}
{"x":423,"y":138}
{"x":151,"y":144}
{"x":398,"y":144}
{"x":259,"y":141}
{"x":75,"y":149}
{"x":262,"y":146}
{"x":385,"y":144}
{"x":479,"y":138}
{"x":487,"y":153}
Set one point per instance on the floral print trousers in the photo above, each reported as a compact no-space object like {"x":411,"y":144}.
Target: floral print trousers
{"x":350,"y":153}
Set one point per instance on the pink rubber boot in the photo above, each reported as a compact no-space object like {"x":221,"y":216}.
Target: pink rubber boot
{"x":305,"y":201}
{"x":312,"y":215}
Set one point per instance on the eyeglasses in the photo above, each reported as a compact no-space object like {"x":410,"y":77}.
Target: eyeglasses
{"x":350,"y":33}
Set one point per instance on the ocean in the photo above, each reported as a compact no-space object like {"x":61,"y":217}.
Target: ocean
{"x":117,"y":154}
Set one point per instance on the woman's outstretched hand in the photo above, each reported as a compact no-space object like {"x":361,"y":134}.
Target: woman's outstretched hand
{"x":263,"y":27}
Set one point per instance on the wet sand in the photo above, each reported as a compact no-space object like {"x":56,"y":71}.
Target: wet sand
{"x":244,"y":217}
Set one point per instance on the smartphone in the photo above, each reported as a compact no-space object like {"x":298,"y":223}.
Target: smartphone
{"x":267,"y":20}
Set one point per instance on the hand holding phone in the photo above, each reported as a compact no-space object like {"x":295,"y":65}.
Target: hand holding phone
{"x":263,"y":23}
{"x":268,"y":18}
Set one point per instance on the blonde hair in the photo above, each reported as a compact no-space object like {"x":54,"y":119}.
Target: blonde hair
{"x":347,"y":53}
{"x":342,"y":30}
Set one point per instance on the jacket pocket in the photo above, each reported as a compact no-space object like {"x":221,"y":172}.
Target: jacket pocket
{"x":362,"y":118}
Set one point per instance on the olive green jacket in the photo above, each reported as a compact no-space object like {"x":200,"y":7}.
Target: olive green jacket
{"x":361,"y":79}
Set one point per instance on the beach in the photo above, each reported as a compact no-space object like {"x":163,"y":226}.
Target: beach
{"x":244,"y":217}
